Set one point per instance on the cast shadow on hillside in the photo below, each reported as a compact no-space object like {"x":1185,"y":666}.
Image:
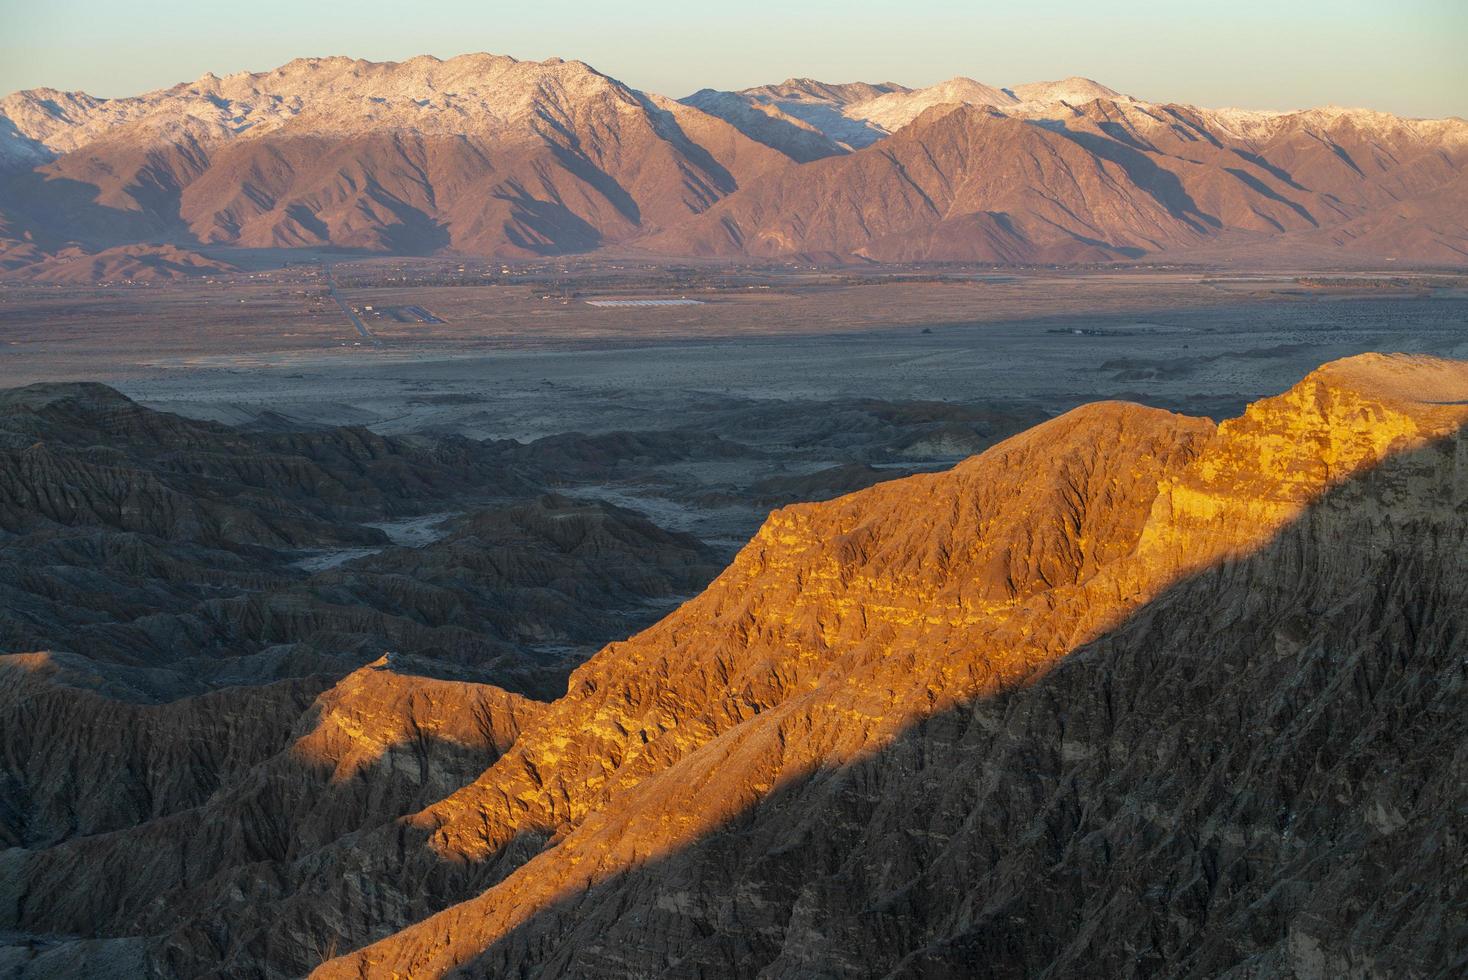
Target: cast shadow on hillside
{"x":1250,"y":767}
{"x":544,"y":227}
{"x":667,"y":126}
{"x":181,"y":835}
{"x":58,"y":211}
{"x":1263,"y":189}
{"x":1162,"y":185}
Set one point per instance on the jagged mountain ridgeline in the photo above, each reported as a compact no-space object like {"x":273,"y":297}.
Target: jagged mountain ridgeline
{"x":1129,"y":693}
{"x":487,"y":155}
{"x":481,"y":153}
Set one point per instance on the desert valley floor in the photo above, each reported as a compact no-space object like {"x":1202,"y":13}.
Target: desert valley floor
{"x":819,"y":381}
{"x":532,"y":356}
{"x":812,"y":371}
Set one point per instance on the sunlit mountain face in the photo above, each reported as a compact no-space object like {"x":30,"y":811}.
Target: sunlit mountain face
{"x":487,"y":155}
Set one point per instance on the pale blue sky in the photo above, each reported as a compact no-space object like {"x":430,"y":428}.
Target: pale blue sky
{"x":1406,"y":56}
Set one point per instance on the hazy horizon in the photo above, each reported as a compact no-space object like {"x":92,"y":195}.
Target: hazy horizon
{"x":1404,"y":60}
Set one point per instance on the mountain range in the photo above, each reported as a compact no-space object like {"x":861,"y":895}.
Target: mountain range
{"x":488,"y":155}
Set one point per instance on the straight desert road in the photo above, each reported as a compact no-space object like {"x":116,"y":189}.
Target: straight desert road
{"x":346,"y":308}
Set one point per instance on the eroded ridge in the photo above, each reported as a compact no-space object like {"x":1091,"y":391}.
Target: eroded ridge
{"x":906,"y":726}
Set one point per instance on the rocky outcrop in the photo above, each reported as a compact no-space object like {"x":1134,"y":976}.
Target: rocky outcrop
{"x":85,"y":454}
{"x":80,"y":763}
{"x":552,"y":569}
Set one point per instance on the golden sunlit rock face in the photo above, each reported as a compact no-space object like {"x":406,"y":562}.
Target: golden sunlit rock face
{"x":1003,"y":719}
{"x":375,"y":711}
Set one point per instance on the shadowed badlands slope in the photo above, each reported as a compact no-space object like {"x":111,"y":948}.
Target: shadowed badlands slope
{"x":859,"y":751}
{"x":177,"y":555}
